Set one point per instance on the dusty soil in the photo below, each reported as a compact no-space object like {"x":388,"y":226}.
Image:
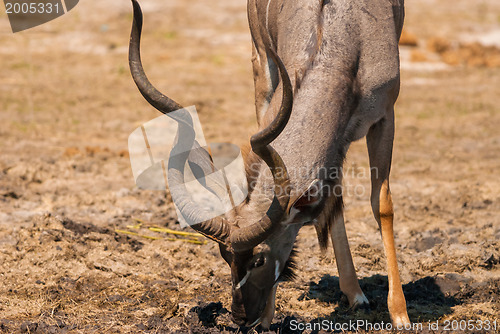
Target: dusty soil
{"x":68,"y":104}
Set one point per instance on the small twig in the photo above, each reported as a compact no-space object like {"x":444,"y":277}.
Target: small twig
{"x":167,"y":230}
{"x":138,"y":235}
{"x":193,"y":237}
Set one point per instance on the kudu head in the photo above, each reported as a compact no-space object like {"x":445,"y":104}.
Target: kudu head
{"x":244,"y":234}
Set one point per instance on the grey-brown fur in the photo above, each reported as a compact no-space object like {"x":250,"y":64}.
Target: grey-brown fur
{"x":343,"y":61}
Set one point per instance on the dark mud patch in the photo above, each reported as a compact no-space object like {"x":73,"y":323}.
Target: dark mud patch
{"x":477,"y":292}
{"x":64,"y":155}
{"x":81,"y":229}
{"x":205,"y":318}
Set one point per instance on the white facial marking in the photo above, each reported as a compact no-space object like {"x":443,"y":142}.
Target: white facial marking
{"x":267,"y":16}
{"x":265,"y":105}
{"x":291,"y":216}
{"x":243,"y":281}
{"x":254,"y":323}
{"x":277,"y":271}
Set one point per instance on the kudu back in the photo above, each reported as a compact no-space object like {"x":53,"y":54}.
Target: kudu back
{"x":326,"y":73}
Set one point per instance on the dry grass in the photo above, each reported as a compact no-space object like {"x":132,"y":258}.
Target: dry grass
{"x":68,"y":105}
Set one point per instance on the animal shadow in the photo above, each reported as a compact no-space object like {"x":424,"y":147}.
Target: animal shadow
{"x":427,"y":299}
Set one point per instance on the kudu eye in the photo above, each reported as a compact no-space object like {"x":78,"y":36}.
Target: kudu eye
{"x":261,"y":260}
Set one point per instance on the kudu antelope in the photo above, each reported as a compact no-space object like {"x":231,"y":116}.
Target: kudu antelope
{"x":343,"y":59}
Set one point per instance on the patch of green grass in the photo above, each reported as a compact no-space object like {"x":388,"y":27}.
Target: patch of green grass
{"x":20,"y":65}
{"x":122,"y":70}
{"x":170,"y":35}
{"x":464,"y":108}
{"x":424,"y":115}
{"x":20,"y":126}
{"x":217,"y":60}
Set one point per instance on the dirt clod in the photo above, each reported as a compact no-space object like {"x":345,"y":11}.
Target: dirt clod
{"x":29,"y":327}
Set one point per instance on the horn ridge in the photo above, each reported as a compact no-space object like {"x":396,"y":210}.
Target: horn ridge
{"x":218,"y":228}
{"x":248,"y":237}
{"x":161,"y":102}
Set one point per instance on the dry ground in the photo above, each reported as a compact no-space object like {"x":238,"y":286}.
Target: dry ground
{"x":68,"y":104}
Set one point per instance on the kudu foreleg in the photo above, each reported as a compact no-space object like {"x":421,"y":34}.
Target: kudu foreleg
{"x":348,"y":279}
{"x":380,"y":141}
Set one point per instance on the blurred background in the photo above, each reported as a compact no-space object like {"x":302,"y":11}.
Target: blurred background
{"x":68,"y":105}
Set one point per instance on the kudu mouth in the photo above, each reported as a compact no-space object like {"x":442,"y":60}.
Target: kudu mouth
{"x":243,"y":318}
{"x":263,"y":316}
{"x":219,"y":229}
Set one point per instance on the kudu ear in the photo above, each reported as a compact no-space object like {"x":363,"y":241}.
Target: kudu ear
{"x":304,"y":207}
